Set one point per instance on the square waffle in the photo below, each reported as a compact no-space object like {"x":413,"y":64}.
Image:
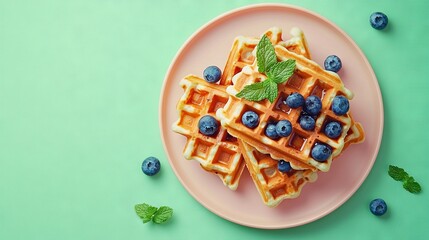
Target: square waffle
{"x":273,"y":185}
{"x":308,"y":79}
{"x":220,"y":153}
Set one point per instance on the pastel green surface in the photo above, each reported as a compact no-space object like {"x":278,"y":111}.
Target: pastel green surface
{"x":80,"y":83}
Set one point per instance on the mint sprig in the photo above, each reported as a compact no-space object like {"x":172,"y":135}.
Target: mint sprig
{"x":408,"y":182}
{"x":276,"y":72}
{"x":163,"y":214}
{"x":150,"y":213}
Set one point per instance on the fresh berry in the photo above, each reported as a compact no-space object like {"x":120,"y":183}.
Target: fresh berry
{"x":340,"y":105}
{"x":333,"y":63}
{"x":284,"y":166}
{"x":307,"y":122}
{"x":212,"y":74}
{"x":378,"y":207}
{"x":333,"y":129}
{"x":151,"y":166}
{"x":271,"y":131}
{"x":283,"y":128}
{"x":313,"y":105}
{"x":295,"y":100}
{"x":208,"y":125}
{"x":321,"y":152}
{"x":250,"y":119}
{"x":378,"y":20}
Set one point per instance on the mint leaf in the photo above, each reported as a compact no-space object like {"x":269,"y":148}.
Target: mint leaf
{"x":277,"y":72}
{"x":145,"y":211}
{"x":397,"y":173}
{"x":282,"y":71}
{"x":265,"y":54}
{"x":412,"y":186}
{"x":271,"y":90}
{"x":253,"y":92}
{"x":163,"y":214}
{"x":408,"y":182}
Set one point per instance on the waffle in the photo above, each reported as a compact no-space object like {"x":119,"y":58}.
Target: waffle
{"x":273,"y":185}
{"x":219,"y":154}
{"x":309,"y":79}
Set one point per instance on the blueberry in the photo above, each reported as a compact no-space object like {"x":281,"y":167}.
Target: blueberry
{"x":208,"y":125}
{"x":250,"y":119}
{"x":378,"y":207}
{"x":320,"y":152}
{"x":333,"y":63}
{"x":313,"y":105}
{"x":333,"y":129}
{"x":284,"y":166}
{"x":151,"y":166}
{"x":271,"y":131}
{"x":340,"y":105}
{"x":307,"y":122}
{"x":212,"y":74}
{"x":283,"y":128}
{"x":295,"y":100}
{"x":378,"y":20}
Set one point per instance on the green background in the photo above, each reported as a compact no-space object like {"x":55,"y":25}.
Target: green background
{"x":80,"y":83}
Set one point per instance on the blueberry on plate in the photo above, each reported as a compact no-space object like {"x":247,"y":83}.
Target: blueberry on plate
{"x":271,"y":131}
{"x":284,"y":166}
{"x":333,"y":63}
{"x":333,"y":129}
{"x":212,"y":74}
{"x":250,"y":119}
{"x":208,"y":125}
{"x":340,"y":105}
{"x":313,"y":105}
{"x":307,"y":122}
{"x":284,"y":128}
{"x":295,"y":100}
{"x":378,"y":20}
{"x":378,"y":206}
{"x":321,"y":152}
{"x":151,"y":166}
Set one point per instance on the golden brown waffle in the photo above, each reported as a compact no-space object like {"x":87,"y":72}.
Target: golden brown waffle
{"x":219,"y":154}
{"x":308,"y":79}
{"x":210,"y":151}
{"x":242,"y":48}
{"x":273,"y":185}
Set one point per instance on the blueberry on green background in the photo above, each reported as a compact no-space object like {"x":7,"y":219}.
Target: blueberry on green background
{"x":378,"y":207}
{"x":378,"y":20}
{"x":151,"y":166}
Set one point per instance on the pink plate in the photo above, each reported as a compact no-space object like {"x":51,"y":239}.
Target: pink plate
{"x":210,"y":46}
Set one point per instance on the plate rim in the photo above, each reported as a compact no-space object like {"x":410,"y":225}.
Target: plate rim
{"x":205,"y":27}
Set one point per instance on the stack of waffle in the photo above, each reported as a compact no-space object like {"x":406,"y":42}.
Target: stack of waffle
{"x":235,"y":146}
